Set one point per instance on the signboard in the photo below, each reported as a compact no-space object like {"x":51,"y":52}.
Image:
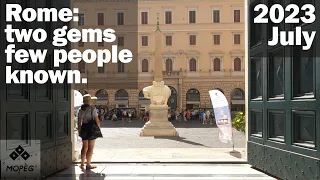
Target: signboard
{"x":222,"y":115}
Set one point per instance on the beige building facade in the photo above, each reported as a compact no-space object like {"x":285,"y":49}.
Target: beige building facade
{"x":202,"y":47}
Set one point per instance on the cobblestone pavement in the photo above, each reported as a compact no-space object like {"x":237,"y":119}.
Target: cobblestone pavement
{"x":121,"y":134}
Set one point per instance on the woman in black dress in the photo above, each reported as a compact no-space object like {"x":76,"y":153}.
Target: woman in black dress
{"x":86,"y":114}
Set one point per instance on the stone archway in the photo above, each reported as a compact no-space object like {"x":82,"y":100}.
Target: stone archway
{"x":172,"y":101}
{"x":237,"y":100}
{"x":121,"y":98}
{"x":193,"y":99}
{"x":143,"y":102}
{"x":102,"y":97}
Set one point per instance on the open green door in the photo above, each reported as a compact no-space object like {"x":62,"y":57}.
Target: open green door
{"x":284,"y":99}
{"x":35,"y":117}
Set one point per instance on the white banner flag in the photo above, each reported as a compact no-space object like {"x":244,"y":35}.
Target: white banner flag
{"x":222,"y":115}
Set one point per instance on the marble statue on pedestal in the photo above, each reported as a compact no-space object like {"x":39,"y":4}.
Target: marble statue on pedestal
{"x":158,"y":93}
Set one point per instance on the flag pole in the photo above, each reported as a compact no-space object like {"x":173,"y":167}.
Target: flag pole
{"x":232,"y":139}
{"x":233,"y":151}
{"x":232,"y":130}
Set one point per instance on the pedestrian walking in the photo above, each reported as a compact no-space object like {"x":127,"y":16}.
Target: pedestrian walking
{"x":207,"y":116}
{"x":86,"y":114}
{"x":188,"y":115}
{"x":124,"y":115}
{"x":129,"y":116}
{"x":177,"y":113}
{"x":200,"y":115}
{"x":113,"y":116}
{"x":211,"y":118}
{"x":147,"y":116}
{"x":184,"y":115}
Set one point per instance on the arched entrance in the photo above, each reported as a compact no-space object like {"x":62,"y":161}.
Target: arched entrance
{"x":143,"y":102}
{"x":172,"y":101}
{"x":193,"y":99}
{"x":237,"y":100}
{"x":121,"y":98}
{"x":102,"y":96}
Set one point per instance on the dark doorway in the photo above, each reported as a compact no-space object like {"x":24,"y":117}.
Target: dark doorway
{"x":121,"y":95}
{"x":121,"y":98}
{"x":172,"y":101}
{"x":237,"y":101}
{"x":193,"y":99}
{"x":102,"y":96}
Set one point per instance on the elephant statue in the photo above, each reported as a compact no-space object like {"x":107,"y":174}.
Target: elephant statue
{"x":158,"y":93}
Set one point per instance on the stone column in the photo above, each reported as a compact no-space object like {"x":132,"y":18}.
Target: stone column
{"x":180,"y":95}
{"x":111,"y":97}
{"x":134,"y":99}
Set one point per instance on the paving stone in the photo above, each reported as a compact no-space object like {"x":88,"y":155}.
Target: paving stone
{"x":192,"y":135}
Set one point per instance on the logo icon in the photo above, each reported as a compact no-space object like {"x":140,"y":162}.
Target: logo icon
{"x":19,"y":151}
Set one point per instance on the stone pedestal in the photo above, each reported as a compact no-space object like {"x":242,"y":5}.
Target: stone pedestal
{"x":158,"y":124}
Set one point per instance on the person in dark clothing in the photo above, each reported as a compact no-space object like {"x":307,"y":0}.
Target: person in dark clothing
{"x":86,"y":114}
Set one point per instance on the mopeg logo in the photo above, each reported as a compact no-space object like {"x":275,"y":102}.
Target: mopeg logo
{"x":24,"y":167}
{"x":19,"y":151}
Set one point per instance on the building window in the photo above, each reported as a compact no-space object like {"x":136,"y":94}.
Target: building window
{"x":193,"y":65}
{"x":144,"y":17}
{"x":145,"y":66}
{"x":81,"y":20}
{"x":120,"y":41}
{"x":192,"y":17}
{"x":236,"y":38}
{"x":216,"y":64}
{"x":236,"y":15}
{"x":100,"y":44}
{"x":82,"y":67}
{"x":169,"y":65}
{"x":216,"y":16}
{"x":144,"y":40}
{"x":100,"y":19}
{"x":120,"y":67}
{"x":216,"y":39}
{"x":120,"y":18}
{"x":168,"y":17}
{"x":101,"y":69}
{"x":168,"y":40}
{"x":192,"y":40}
{"x":237,"y":64}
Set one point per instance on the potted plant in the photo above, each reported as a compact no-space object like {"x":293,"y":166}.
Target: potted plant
{"x":239,"y":122}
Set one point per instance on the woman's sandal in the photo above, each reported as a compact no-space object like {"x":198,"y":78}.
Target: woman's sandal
{"x":81,"y":167}
{"x":91,"y":167}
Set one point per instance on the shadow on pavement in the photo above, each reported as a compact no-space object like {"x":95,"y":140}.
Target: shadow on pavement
{"x":180,"y":139}
{"x":91,"y":175}
{"x":235,"y":154}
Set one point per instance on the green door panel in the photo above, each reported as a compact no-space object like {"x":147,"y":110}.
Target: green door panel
{"x":284,"y":100}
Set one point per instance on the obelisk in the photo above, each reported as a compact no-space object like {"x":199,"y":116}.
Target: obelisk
{"x":158,"y":93}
